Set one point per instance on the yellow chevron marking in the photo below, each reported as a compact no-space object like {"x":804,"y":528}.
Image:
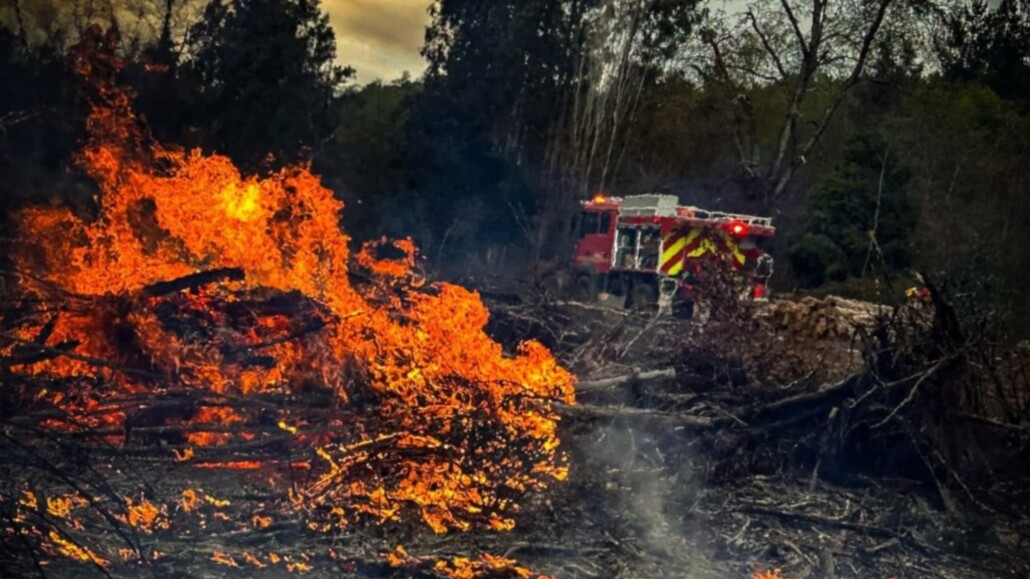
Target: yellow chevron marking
{"x":739,"y":255}
{"x":703,"y":247}
{"x":672,"y":252}
{"x":734,"y":248}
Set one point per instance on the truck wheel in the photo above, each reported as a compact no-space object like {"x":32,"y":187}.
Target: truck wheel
{"x":585,"y":288}
{"x":683,"y":309}
{"x":554,"y":283}
{"x":644,"y":297}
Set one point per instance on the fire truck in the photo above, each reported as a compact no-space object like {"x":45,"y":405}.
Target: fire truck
{"x":653,"y":252}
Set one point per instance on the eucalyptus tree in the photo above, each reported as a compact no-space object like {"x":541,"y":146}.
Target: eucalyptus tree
{"x":551,"y":86}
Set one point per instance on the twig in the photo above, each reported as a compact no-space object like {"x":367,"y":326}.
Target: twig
{"x":912,"y":393}
{"x":646,"y":329}
{"x":867,"y":529}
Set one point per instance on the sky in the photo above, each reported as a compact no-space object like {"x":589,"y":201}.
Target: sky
{"x":379,"y":38}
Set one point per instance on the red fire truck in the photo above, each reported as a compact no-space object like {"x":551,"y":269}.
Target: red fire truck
{"x":651,"y":250}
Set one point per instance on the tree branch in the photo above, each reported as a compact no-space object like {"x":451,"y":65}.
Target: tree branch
{"x":796,"y":27}
{"x":783,"y":175}
{"x":765,"y":43}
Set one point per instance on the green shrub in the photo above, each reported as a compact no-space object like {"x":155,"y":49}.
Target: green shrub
{"x":866,"y":196}
{"x":817,"y":259}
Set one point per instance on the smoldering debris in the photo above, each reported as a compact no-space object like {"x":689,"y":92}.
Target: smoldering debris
{"x":760,"y":441}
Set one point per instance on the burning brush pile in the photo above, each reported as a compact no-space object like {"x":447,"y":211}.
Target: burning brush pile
{"x":218,"y":322}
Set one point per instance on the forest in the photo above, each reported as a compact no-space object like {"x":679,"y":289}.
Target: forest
{"x":884,"y":138}
{"x":258,"y":317}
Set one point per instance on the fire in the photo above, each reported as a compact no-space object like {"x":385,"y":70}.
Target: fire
{"x":68,"y":548}
{"x":421,"y":416}
{"x":144,"y":515}
{"x":242,"y":205}
{"x":189,"y":500}
{"x":768,"y":574}
{"x":459,"y":567}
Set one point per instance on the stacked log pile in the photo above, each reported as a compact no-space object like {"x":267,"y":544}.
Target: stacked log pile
{"x":832,"y":317}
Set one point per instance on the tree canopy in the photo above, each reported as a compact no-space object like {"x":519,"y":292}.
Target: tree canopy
{"x":884,"y":137}
{"x":266,"y":73}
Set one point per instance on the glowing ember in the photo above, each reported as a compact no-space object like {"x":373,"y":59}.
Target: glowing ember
{"x":144,"y":515}
{"x":460,"y":567}
{"x":68,"y":548}
{"x":769,"y":574}
{"x":189,"y":500}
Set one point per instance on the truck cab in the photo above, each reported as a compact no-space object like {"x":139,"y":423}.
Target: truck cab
{"x":596,"y":225}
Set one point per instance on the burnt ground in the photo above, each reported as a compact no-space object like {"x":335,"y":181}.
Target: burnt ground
{"x":668,"y":478}
{"x":652,"y":494}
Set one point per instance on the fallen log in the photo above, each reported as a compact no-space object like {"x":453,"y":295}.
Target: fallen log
{"x":781,"y":412}
{"x":591,"y":306}
{"x":616,"y":381}
{"x":828,"y":394}
{"x":794,"y":409}
{"x":592,"y":412}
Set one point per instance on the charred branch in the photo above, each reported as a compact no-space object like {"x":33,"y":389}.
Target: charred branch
{"x":193,"y":281}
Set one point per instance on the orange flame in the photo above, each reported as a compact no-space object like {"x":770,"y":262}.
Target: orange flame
{"x":455,"y":427}
{"x":460,"y":567}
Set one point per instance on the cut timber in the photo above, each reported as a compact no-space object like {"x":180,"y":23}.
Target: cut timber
{"x":825,"y":318}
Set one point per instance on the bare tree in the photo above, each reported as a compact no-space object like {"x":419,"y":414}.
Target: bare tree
{"x":792,"y":44}
{"x":603,"y":91}
{"x":59,"y":23}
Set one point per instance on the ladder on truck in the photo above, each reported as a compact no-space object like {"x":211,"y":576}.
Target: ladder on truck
{"x":655,"y":205}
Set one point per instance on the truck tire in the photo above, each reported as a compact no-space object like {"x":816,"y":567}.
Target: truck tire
{"x":643,"y":297}
{"x":584,"y":288}
{"x":683,"y":309}
{"x":554,"y":283}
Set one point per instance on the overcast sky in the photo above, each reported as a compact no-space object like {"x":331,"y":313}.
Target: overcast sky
{"x":380,"y":38}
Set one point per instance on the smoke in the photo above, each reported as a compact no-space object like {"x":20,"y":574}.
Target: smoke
{"x":649,"y":481}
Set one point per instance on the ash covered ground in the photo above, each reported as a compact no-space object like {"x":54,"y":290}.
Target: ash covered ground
{"x":677,"y":472}
{"x":698,"y":448}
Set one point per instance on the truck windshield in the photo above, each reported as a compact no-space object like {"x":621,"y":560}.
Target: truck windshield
{"x":588,"y":223}
{"x":591,"y":222}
